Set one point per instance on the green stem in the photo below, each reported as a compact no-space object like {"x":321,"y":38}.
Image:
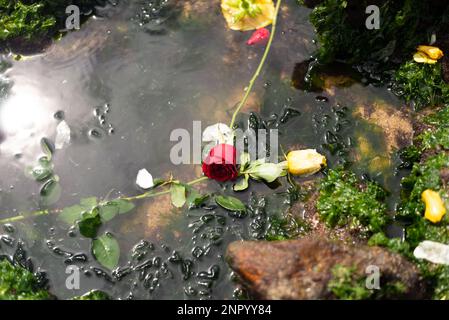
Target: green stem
{"x":146,"y":195}
{"x":259,"y":68}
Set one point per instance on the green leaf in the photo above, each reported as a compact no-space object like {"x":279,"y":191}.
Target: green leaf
{"x":124,"y":206}
{"x":40,"y":173}
{"x":195,"y":199}
{"x":50,"y":192}
{"x":90,"y":222}
{"x":106,"y":250}
{"x":47,"y":147}
{"x":71,"y":214}
{"x":230,"y":203}
{"x":110,"y":209}
{"x":88,"y":203}
{"x":242,"y":184}
{"x":178,"y":195}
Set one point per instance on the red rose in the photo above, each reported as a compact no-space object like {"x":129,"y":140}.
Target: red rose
{"x":220,"y":164}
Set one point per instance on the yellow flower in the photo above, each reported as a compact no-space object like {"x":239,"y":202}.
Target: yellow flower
{"x":248,"y":14}
{"x":305,"y":162}
{"x":422,"y":58}
{"x":428,"y":54}
{"x":432,"y":52}
{"x":435,"y":209}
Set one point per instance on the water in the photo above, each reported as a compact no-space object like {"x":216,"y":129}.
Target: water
{"x":122,"y":83}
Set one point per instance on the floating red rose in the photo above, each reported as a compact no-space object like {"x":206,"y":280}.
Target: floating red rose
{"x":221,"y":163}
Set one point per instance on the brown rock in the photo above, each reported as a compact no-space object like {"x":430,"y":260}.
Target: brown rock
{"x":301,"y":269}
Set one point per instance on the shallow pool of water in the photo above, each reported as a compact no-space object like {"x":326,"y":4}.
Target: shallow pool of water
{"x":122,"y":84}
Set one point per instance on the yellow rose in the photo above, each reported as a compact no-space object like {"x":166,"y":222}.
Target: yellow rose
{"x":305,"y":162}
{"x":248,"y":14}
{"x":427,"y":54}
{"x":432,"y":52}
{"x":423,"y":58}
{"x":435,"y":209}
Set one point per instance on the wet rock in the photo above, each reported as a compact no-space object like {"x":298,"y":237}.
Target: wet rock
{"x":302,"y":269}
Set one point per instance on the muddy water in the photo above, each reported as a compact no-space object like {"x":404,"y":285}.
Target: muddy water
{"x":122,"y":83}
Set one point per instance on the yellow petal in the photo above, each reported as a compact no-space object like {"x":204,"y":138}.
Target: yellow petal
{"x":237,"y":21}
{"x":435,"y":209}
{"x":305,"y":162}
{"x":423,"y":58}
{"x":432,"y":52}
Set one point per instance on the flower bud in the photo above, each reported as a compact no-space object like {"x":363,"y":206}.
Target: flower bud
{"x":305,"y":162}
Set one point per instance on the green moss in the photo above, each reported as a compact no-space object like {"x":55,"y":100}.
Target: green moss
{"x":347,"y":285}
{"x":437,"y":136}
{"x":16,"y":283}
{"x":24,"y":23}
{"x":342,"y":33}
{"x":346,"y":201}
{"x":93,"y":295}
{"x":421,"y":84}
{"x":18,"y":19}
{"x":344,"y":285}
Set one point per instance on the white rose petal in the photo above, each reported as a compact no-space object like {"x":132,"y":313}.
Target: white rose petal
{"x":218,"y":133}
{"x":62,"y":135}
{"x":144,"y":179}
{"x":434,"y":252}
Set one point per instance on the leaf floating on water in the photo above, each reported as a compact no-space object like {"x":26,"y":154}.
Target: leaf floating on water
{"x":47,"y":148}
{"x":230,"y":203}
{"x":71,"y":214}
{"x":50,"y":192}
{"x":195,"y":199}
{"x":62,"y":135}
{"x":178,"y":195}
{"x":144,"y":179}
{"x":88,"y":203}
{"x":110,"y":209}
{"x":106,"y":250}
{"x":40,"y":173}
{"x":432,"y":251}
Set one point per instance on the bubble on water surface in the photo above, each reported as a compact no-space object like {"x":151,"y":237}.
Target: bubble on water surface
{"x":95,"y":133}
{"x":59,"y":115}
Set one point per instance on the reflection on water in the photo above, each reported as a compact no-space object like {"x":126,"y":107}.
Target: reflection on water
{"x":122,"y":84}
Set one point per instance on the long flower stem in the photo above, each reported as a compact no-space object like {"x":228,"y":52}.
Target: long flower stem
{"x":259,"y":68}
{"x":145,"y":195}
